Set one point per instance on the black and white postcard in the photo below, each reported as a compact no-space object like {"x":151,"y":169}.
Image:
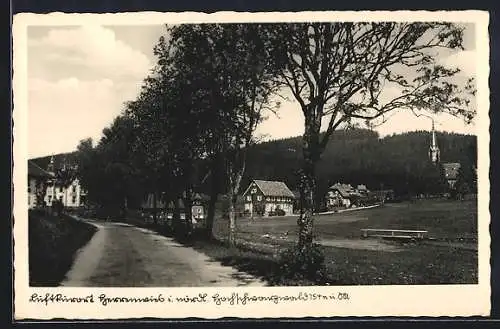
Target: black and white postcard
{"x":251,"y":165}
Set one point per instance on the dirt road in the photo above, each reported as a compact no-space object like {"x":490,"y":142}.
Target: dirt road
{"x":121,"y":255}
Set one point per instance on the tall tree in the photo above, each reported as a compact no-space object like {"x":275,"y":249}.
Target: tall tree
{"x":229,"y":83}
{"x":341,"y":72}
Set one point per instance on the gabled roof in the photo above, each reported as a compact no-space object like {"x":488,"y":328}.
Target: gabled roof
{"x":342,"y":191}
{"x":362,"y":187}
{"x":346,"y":190}
{"x":70,"y":159}
{"x":347,"y":187}
{"x":273,"y":188}
{"x":36,"y":171}
{"x":451,"y":170}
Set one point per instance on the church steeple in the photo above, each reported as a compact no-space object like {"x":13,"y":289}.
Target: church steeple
{"x":434,"y":149}
{"x":50,"y":167}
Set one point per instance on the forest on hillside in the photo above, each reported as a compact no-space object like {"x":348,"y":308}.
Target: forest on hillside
{"x":358,"y":156}
{"x":355,"y":156}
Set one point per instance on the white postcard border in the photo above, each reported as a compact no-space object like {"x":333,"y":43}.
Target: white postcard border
{"x":426,"y":300}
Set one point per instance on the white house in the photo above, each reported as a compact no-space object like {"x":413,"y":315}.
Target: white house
{"x":344,"y":195}
{"x":63,"y":183}
{"x":71,"y":195}
{"x":37,"y":178}
{"x":262,"y":197}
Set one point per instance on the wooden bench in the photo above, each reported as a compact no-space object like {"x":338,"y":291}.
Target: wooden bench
{"x":396,"y":234}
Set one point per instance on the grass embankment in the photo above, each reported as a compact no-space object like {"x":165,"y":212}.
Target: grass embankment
{"x":53,"y":242}
{"x":260,"y":240}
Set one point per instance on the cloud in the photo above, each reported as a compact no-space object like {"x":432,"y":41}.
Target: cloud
{"x":464,"y":60}
{"x":78,"y":80}
{"x":90,"y":47}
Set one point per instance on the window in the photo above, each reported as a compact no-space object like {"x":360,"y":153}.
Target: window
{"x":268,"y":199}
{"x":73,"y":199}
{"x":254,"y":190}
{"x":74,"y":188}
{"x":249,"y":198}
{"x":259,"y":197}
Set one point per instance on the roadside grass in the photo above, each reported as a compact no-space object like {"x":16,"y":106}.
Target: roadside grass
{"x":53,"y":242}
{"x":414,"y":263}
{"x":418,"y":265}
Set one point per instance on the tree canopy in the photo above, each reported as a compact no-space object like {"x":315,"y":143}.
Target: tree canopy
{"x":199,"y":107}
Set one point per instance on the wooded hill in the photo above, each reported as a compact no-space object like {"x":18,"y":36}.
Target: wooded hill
{"x":358,"y":156}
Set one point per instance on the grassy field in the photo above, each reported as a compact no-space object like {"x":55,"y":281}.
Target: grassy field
{"x":413,"y":265}
{"x":53,"y":242}
{"x":443,"y":219}
{"x":453,"y":261}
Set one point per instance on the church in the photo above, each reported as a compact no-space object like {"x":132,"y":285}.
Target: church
{"x":451,"y":169}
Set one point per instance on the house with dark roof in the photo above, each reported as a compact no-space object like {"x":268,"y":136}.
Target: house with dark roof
{"x":451,"y":172}
{"x":37,"y":179}
{"x":345,"y":195}
{"x":339,"y":195}
{"x":64,"y":184}
{"x":266,"y":197}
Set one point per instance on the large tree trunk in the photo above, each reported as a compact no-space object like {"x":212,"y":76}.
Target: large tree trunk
{"x":188,"y":205}
{"x":307,"y":184}
{"x":214,"y":193}
{"x":125,"y":207}
{"x":307,"y":187}
{"x":234,"y":185}
{"x":176,"y":217}
{"x":209,"y":225}
{"x":155,"y":212}
{"x":232,"y":219}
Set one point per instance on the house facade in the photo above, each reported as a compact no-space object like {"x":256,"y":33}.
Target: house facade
{"x":345,"y":195}
{"x":71,"y":195}
{"x":63,"y":184}
{"x":37,"y":179}
{"x":198,"y":207}
{"x":451,"y":172}
{"x":339,"y":195}
{"x":262,"y":198}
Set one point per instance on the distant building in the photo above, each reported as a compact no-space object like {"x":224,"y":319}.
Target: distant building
{"x":363,"y":190}
{"x":64,"y":184}
{"x":150,"y":202}
{"x":197,"y":208}
{"x":434,"y":152}
{"x":37,"y":179}
{"x":384,"y":195}
{"x":262,"y":197}
{"x":451,"y":172}
{"x":341,"y":195}
{"x":451,"y":169}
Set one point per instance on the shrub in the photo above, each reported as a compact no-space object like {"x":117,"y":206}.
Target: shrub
{"x":299,"y":264}
{"x":280,"y":212}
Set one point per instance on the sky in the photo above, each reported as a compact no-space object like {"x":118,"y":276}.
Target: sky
{"x":79,"y":78}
